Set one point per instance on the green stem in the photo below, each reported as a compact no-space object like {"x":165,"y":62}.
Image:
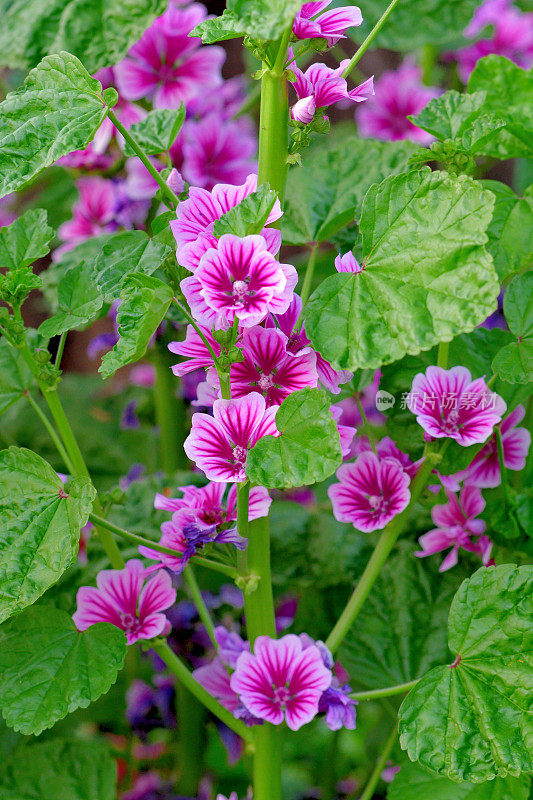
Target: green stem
{"x":51,"y":430}
{"x":196,"y":328}
{"x":328,"y":773}
{"x":216,"y":566}
{"x":309,"y":272}
{"x":273,"y":123}
{"x":365,"y":421}
{"x":370,"y":38}
{"x":183,"y":674}
{"x":132,"y":537}
{"x":442,"y":355}
{"x":381,"y":552}
{"x":60,"y":348}
{"x":169,"y":412}
{"x":388,"y":691}
{"x":499,"y":445}
{"x":268,"y":743}
{"x":144,"y":158}
{"x":190,"y":745}
{"x":198,"y":600}
{"x":380,"y":766}
{"x":428,"y":57}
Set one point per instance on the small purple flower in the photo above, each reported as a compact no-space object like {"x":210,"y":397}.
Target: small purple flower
{"x":319,"y":87}
{"x":281,"y":680}
{"x":166,"y":64}
{"x":207,"y":502}
{"x":230,"y":646}
{"x":219,"y":445}
{"x":484,"y":471}
{"x":125,"y":599}
{"x":448,"y":403}
{"x":456,"y":525}
{"x":216,"y":151}
{"x":240,"y":278}
{"x":398,"y":93}
{"x":331,"y":25}
{"x":149,"y":707}
{"x":371,"y":491}
{"x":346,"y":432}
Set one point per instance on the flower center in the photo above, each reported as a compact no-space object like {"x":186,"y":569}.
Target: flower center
{"x":376,"y":502}
{"x":282,"y":695}
{"x":213,"y":516}
{"x":130,"y":623}
{"x":450,"y":423}
{"x":239,"y":454}
{"x":265,"y":382}
{"x":240,"y":288}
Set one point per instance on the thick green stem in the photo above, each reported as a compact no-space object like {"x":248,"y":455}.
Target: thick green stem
{"x":198,"y":600}
{"x":442,"y":355}
{"x":174,"y":199}
{"x":217,"y":566}
{"x":190,"y":744}
{"x":370,"y":38}
{"x":373,"y":781}
{"x":309,"y":272}
{"x":169,"y":412}
{"x":274,"y":123}
{"x":382,"y":550}
{"x":267,"y":762}
{"x":182,"y":673}
{"x":52,"y":433}
{"x":388,"y":691}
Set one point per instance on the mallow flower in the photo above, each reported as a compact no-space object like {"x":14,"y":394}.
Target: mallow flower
{"x":92,"y":214}
{"x":281,"y":680}
{"x":219,"y":444}
{"x":311,"y":23}
{"x":127,"y":600}
{"x":239,"y":279}
{"x":456,"y":524}
{"x":448,"y":403}
{"x":320,"y":86}
{"x":370,"y":492}
{"x":209,"y":506}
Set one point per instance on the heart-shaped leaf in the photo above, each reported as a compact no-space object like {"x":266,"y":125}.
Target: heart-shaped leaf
{"x":60,"y":770}
{"x":426,"y":278}
{"x":414,"y":783}
{"x":471,"y":720}
{"x":49,"y":668}
{"x":25,"y":240}
{"x":15,"y":376}
{"x":58,"y":109}
{"x":308,"y":449}
{"x":39,"y":526}
{"x":79,"y":301}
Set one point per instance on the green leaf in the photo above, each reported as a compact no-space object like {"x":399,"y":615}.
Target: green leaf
{"x":470,"y":721}
{"x":249,"y":216}
{"x":417,"y":23}
{"x":87,"y":251}
{"x":157,"y":132}
{"x":260,"y":19}
{"x":145,"y":301}
{"x":49,"y":668}
{"x":57,"y":110}
{"x":463,"y":119}
{"x":426,"y":277}
{"x":328,"y":193}
{"x":414,"y":783}
{"x":39,"y":527}
{"x":123,"y":254}
{"x":98,"y":33}
{"x":509,"y":95}
{"x":15,"y":376}
{"x":308,"y":449}
{"x":400,"y":632}
{"x":25,"y":240}
{"x":79,"y":301}
{"x":514,"y":362}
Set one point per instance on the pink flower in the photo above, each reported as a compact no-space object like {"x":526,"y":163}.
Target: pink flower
{"x":484,"y":471}
{"x":217,"y":151}
{"x":166,"y":65}
{"x":398,"y":93}
{"x":448,"y":403}
{"x":512,"y":36}
{"x":219,"y":445}
{"x":92,"y":214}
{"x":371,"y":492}
{"x":387,"y":448}
{"x":348,"y":263}
{"x":281,"y":680}
{"x":319,"y":87}
{"x":331,"y":26}
{"x":240,"y":278}
{"x":88,"y":159}
{"x":125,"y":599}
{"x":269,"y":368}
{"x":194,"y":349}
{"x":195,"y":217}
{"x":297,"y":343}
{"x":208,"y":504}
{"x":456,"y":525}
{"x":346,"y":432}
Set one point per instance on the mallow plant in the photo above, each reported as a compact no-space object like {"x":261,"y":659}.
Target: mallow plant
{"x":297,"y":525}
